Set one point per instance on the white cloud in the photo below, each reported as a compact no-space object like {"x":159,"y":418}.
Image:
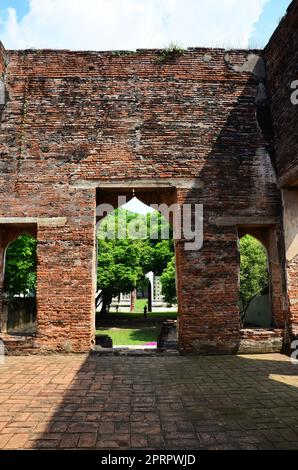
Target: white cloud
{"x":131,"y":24}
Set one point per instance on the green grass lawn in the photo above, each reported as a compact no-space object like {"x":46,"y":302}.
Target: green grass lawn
{"x":130,"y":336}
{"x":132,"y":328}
{"x":140,"y":304}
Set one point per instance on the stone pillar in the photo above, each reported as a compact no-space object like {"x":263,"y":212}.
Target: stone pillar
{"x":150,"y":297}
{"x":66,"y":284}
{"x":277,"y":290}
{"x":208,"y":288}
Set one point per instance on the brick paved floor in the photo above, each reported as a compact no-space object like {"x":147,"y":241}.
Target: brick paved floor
{"x":179,"y":402}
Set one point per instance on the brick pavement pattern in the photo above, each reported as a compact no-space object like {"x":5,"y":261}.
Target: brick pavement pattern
{"x":182,"y":402}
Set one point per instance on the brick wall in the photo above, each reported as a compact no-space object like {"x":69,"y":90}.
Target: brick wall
{"x":281,"y":56}
{"x":76,"y":120}
{"x":254,"y":341}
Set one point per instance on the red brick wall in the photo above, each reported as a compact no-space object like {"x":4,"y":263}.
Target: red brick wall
{"x":282,"y":58}
{"x":282,"y":69}
{"x":65,"y":294}
{"x":255,"y":341}
{"x":74,"y":117}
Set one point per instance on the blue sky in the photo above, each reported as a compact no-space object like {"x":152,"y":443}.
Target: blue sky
{"x":272,"y":12}
{"x":131,"y":24}
{"x":21,"y":6}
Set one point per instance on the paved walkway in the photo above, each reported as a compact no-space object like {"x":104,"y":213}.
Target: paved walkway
{"x":179,"y":402}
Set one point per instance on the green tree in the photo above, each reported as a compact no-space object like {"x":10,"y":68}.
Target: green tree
{"x":162,"y":254}
{"x":158,"y":226}
{"x":20,"y":266}
{"x":253,"y":271}
{"x":118,"y":269}
{"x":168,"y":282}
{"x":123,"y":262}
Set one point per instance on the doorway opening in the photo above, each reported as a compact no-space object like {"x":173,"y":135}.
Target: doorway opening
{"x":19,"y":286}
{"x":136,"y":299}
{"x":255,"y":291}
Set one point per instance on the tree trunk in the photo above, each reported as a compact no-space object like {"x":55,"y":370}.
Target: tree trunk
{"x":244,"y":311}
{"x":133,"y":297}
{"x":104,"y":310}
{"x":106,"y":303}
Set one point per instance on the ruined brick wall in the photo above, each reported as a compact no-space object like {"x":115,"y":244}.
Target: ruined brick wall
{"x":75,"y":120}
{"x":281,"y":56}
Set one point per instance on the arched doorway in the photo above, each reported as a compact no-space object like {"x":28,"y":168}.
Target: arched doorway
{"x":266,"y":258}
{"x":255,"y":298}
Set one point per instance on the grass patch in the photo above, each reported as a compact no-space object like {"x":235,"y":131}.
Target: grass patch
{"x":130,"y":336}
{"x":170,"y":53}
{"x":139,"y":305}
{"x":132,"y":328}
